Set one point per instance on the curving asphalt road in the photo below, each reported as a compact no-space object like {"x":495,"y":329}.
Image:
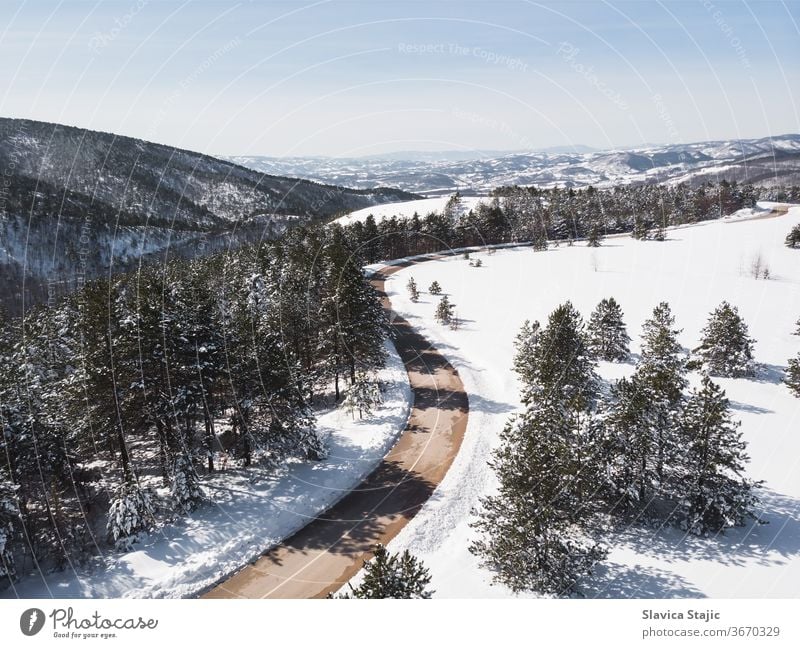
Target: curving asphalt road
{"x":330,"y":549}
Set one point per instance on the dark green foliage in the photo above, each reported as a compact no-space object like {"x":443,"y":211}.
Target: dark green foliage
{"x":435,"y":288}
{"x":525,"y":346}
{"x":726,"y":348}
{"x":540,"y":215}
{"x":392,"y":576}
{"x":130,"y":379}
{"x":413,"y":291}
{"x":713,"y":493}
{"x":444,"y":310}
{"x":793,"y":375}
{"x":561,"y":367}
{"x":533,"y":532}
{"x":531,"y":536}
{"x":608,"y":337}
{"x":793,"y":237}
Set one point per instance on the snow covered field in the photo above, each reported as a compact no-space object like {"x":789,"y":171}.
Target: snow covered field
{"x":222,"y":536}
{"x":406,"y":209}
{"x":694,"y":270}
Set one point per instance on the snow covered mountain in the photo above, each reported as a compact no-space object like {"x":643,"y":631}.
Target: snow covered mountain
{"x":768,"y":160}
{"x":74,"y":203}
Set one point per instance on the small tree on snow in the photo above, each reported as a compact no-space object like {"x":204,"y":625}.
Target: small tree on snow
{"x":392,"y":576}
{"x":362,"y":397}
{"x":435,"y":288}
{"x":716,"y":495}
{"x":187,"y":494}
{"x":608,"y":337}
{"x":130,"y":513}
{"x":9,"y":519}
{"x":413,"y":291}
{"x":793,"y":375}
{"x":726,"y":347}
{"x":444,"y":311}
{"x":793,"y":237}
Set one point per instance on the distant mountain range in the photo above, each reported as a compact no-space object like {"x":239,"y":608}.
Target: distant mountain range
{"x":77,"y":203}
{"x":768,"y":160}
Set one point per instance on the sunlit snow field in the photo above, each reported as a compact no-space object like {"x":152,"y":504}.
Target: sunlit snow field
{"x":694,"y":270}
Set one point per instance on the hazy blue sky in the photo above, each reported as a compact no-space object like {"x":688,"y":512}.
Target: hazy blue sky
{"x":354,"y":77}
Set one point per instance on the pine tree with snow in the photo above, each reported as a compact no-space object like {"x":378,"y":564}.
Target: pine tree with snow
{"x":715,"y":493}
{"x":413,"y":291}
{"x":634,"y":445}
{"x":525,"y":347}
{"x":392,"y":576}
{"x":130,"y":513}
{"x":793,"y":237}
{"x":562,"y":367}
{"x":187,"y":494}
{"x":362,"y":397}
{"x":793,"y":375}
{"x":444,"y":311}
{"x":531,"y":531}
{"x":660,"y":234}
{"x":477,"y":263}
{"x":726,"y":348}
{"x":661,"y":379}
{"x":435,"y":288}
{"x":608,"y":337}
{"x":9,"y":522}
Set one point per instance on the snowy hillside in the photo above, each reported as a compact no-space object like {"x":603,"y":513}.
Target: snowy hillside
{"x":74,"y":200}
{"x":768,"y":160}
{"x":694,"y":270}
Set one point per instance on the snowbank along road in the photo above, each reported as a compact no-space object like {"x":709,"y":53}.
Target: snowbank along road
{"x":330,"y":550}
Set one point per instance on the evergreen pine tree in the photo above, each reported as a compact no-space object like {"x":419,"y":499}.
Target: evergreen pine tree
{"x":726,"y":348}
{"x":793,"y":237}
{"x":130,"y":513}
{"x":444,"y":310}
{"x":362,"y":397}
{"x":715,"y":495}
{"x":562,"y":369}
{"x":187,"y":493}
{"x":413,"y":291}
{"x":392,"y":576}
{"x":661,"y":378}
{"x":633,"y":445}
{"x":608,"y":337}
{"x":531,"y":536}
{"x":793,"y":375}
{"x":435,"y":288}
{"x":525,"y":347}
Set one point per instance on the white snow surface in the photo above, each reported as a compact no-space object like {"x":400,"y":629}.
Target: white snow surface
{"x":694,"y":270}
{"x":250,"y":511}
{"x":406,"y":209}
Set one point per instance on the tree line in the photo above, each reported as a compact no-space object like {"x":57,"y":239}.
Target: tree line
{"x":162,"y":375}
{"x":530,"y":214}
